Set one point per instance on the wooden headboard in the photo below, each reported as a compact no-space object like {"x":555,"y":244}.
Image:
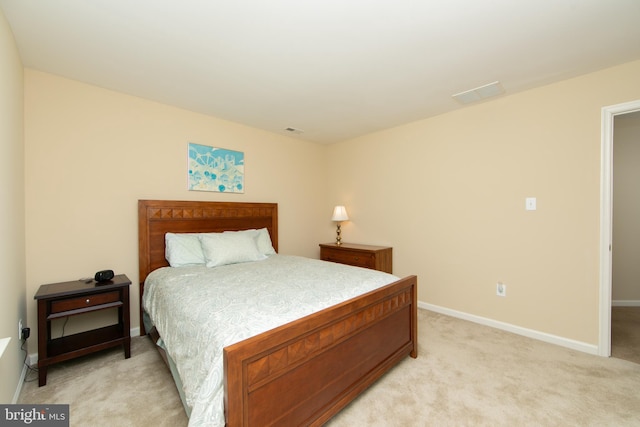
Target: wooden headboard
{"x":158,"y":217}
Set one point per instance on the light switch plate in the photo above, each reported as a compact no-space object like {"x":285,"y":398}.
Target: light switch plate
{"x":530,"y":203}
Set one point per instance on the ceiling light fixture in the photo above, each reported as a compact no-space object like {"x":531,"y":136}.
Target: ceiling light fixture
{"x":479,"y":93}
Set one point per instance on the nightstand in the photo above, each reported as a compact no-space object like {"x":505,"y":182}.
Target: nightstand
{"x":367,"y":256}
{"x":58,"y":300}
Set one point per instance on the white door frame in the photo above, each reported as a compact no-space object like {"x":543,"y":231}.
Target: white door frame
{"x":606,"y":219}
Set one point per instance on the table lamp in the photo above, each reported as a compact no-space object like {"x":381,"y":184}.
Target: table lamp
{"x":339,"y":215}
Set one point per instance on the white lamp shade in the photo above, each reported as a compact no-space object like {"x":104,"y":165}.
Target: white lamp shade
{"x":339,"y":214}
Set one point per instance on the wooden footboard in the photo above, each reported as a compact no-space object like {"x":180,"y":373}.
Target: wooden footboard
{"x":304,"y":372}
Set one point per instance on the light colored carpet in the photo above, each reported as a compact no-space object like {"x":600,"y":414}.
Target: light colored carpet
{"x":625,"y":333}
{"x":105,"y":389}
{"x":466,"y":375}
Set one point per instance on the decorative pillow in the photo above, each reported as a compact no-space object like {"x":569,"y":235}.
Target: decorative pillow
{"x":183,"y":249}
{"x":229,"y":248}
{"x":262,"y":238}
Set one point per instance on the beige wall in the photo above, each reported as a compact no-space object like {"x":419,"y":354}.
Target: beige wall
{"x":12,"y":227}
{"x":626,"y":209}
{"x":446,"y":192}
{"x":449,"y":194}
{"x":92,"y":153}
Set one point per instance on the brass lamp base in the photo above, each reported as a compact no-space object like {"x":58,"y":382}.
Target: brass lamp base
{"x":338,"y":238}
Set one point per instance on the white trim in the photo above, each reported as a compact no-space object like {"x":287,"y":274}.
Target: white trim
{"x":606,"y":220}
{"x":606,"y":223}
{"x":23,"y":374}
{"x":4,"y":342}
{"x":32,"y":360}
{"x":625,"y":303}
{"x":529,"y":333}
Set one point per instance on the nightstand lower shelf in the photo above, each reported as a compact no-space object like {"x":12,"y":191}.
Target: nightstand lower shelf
{"x":76,"y":345}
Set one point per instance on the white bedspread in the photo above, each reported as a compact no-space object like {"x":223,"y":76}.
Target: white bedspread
{"x":199,"y":310}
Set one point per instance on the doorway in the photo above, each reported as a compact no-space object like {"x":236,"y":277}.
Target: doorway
{"x":606,"y":220}
{"x":625,"y":273}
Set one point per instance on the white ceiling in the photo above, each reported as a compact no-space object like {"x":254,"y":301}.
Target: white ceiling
{"x":335,"y":69}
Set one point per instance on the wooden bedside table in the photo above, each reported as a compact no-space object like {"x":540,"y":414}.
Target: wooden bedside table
{"x":58,"y":300}
{"x":368,"y":256}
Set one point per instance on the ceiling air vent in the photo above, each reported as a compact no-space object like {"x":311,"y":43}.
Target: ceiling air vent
{"x":479,"y":93}
{"x":294,"y":131}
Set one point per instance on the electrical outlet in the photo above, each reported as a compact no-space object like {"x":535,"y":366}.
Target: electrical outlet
{"x":26,"y":333}
{"x":501,"y":289}
{"x":19,"y":328}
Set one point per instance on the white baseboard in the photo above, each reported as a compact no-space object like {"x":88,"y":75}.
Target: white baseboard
{"x":625,"y":303}
{"x":530,"y":333}
{"x":23,"y":374}
{"x":32,"y":360}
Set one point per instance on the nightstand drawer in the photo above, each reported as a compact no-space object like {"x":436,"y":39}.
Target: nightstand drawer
{"x":367,"y":256}
{"x":351,"y":258}
{"x":84,"y":301}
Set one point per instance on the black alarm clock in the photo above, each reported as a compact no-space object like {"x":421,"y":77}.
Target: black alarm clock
{"x":103,"y":276}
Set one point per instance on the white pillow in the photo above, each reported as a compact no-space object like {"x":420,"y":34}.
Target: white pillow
{"x":229,"y":248}
{"x":183,"y":249}
{"x":264,"y":242}
{"x":262,"y":238}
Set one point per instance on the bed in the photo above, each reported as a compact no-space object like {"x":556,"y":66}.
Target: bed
{"x":305,"y":371}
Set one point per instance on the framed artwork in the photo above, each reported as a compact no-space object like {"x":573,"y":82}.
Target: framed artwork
{"x":215,"y":169}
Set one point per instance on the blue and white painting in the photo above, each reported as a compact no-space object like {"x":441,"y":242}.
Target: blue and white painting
{"x":215,"y":169}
